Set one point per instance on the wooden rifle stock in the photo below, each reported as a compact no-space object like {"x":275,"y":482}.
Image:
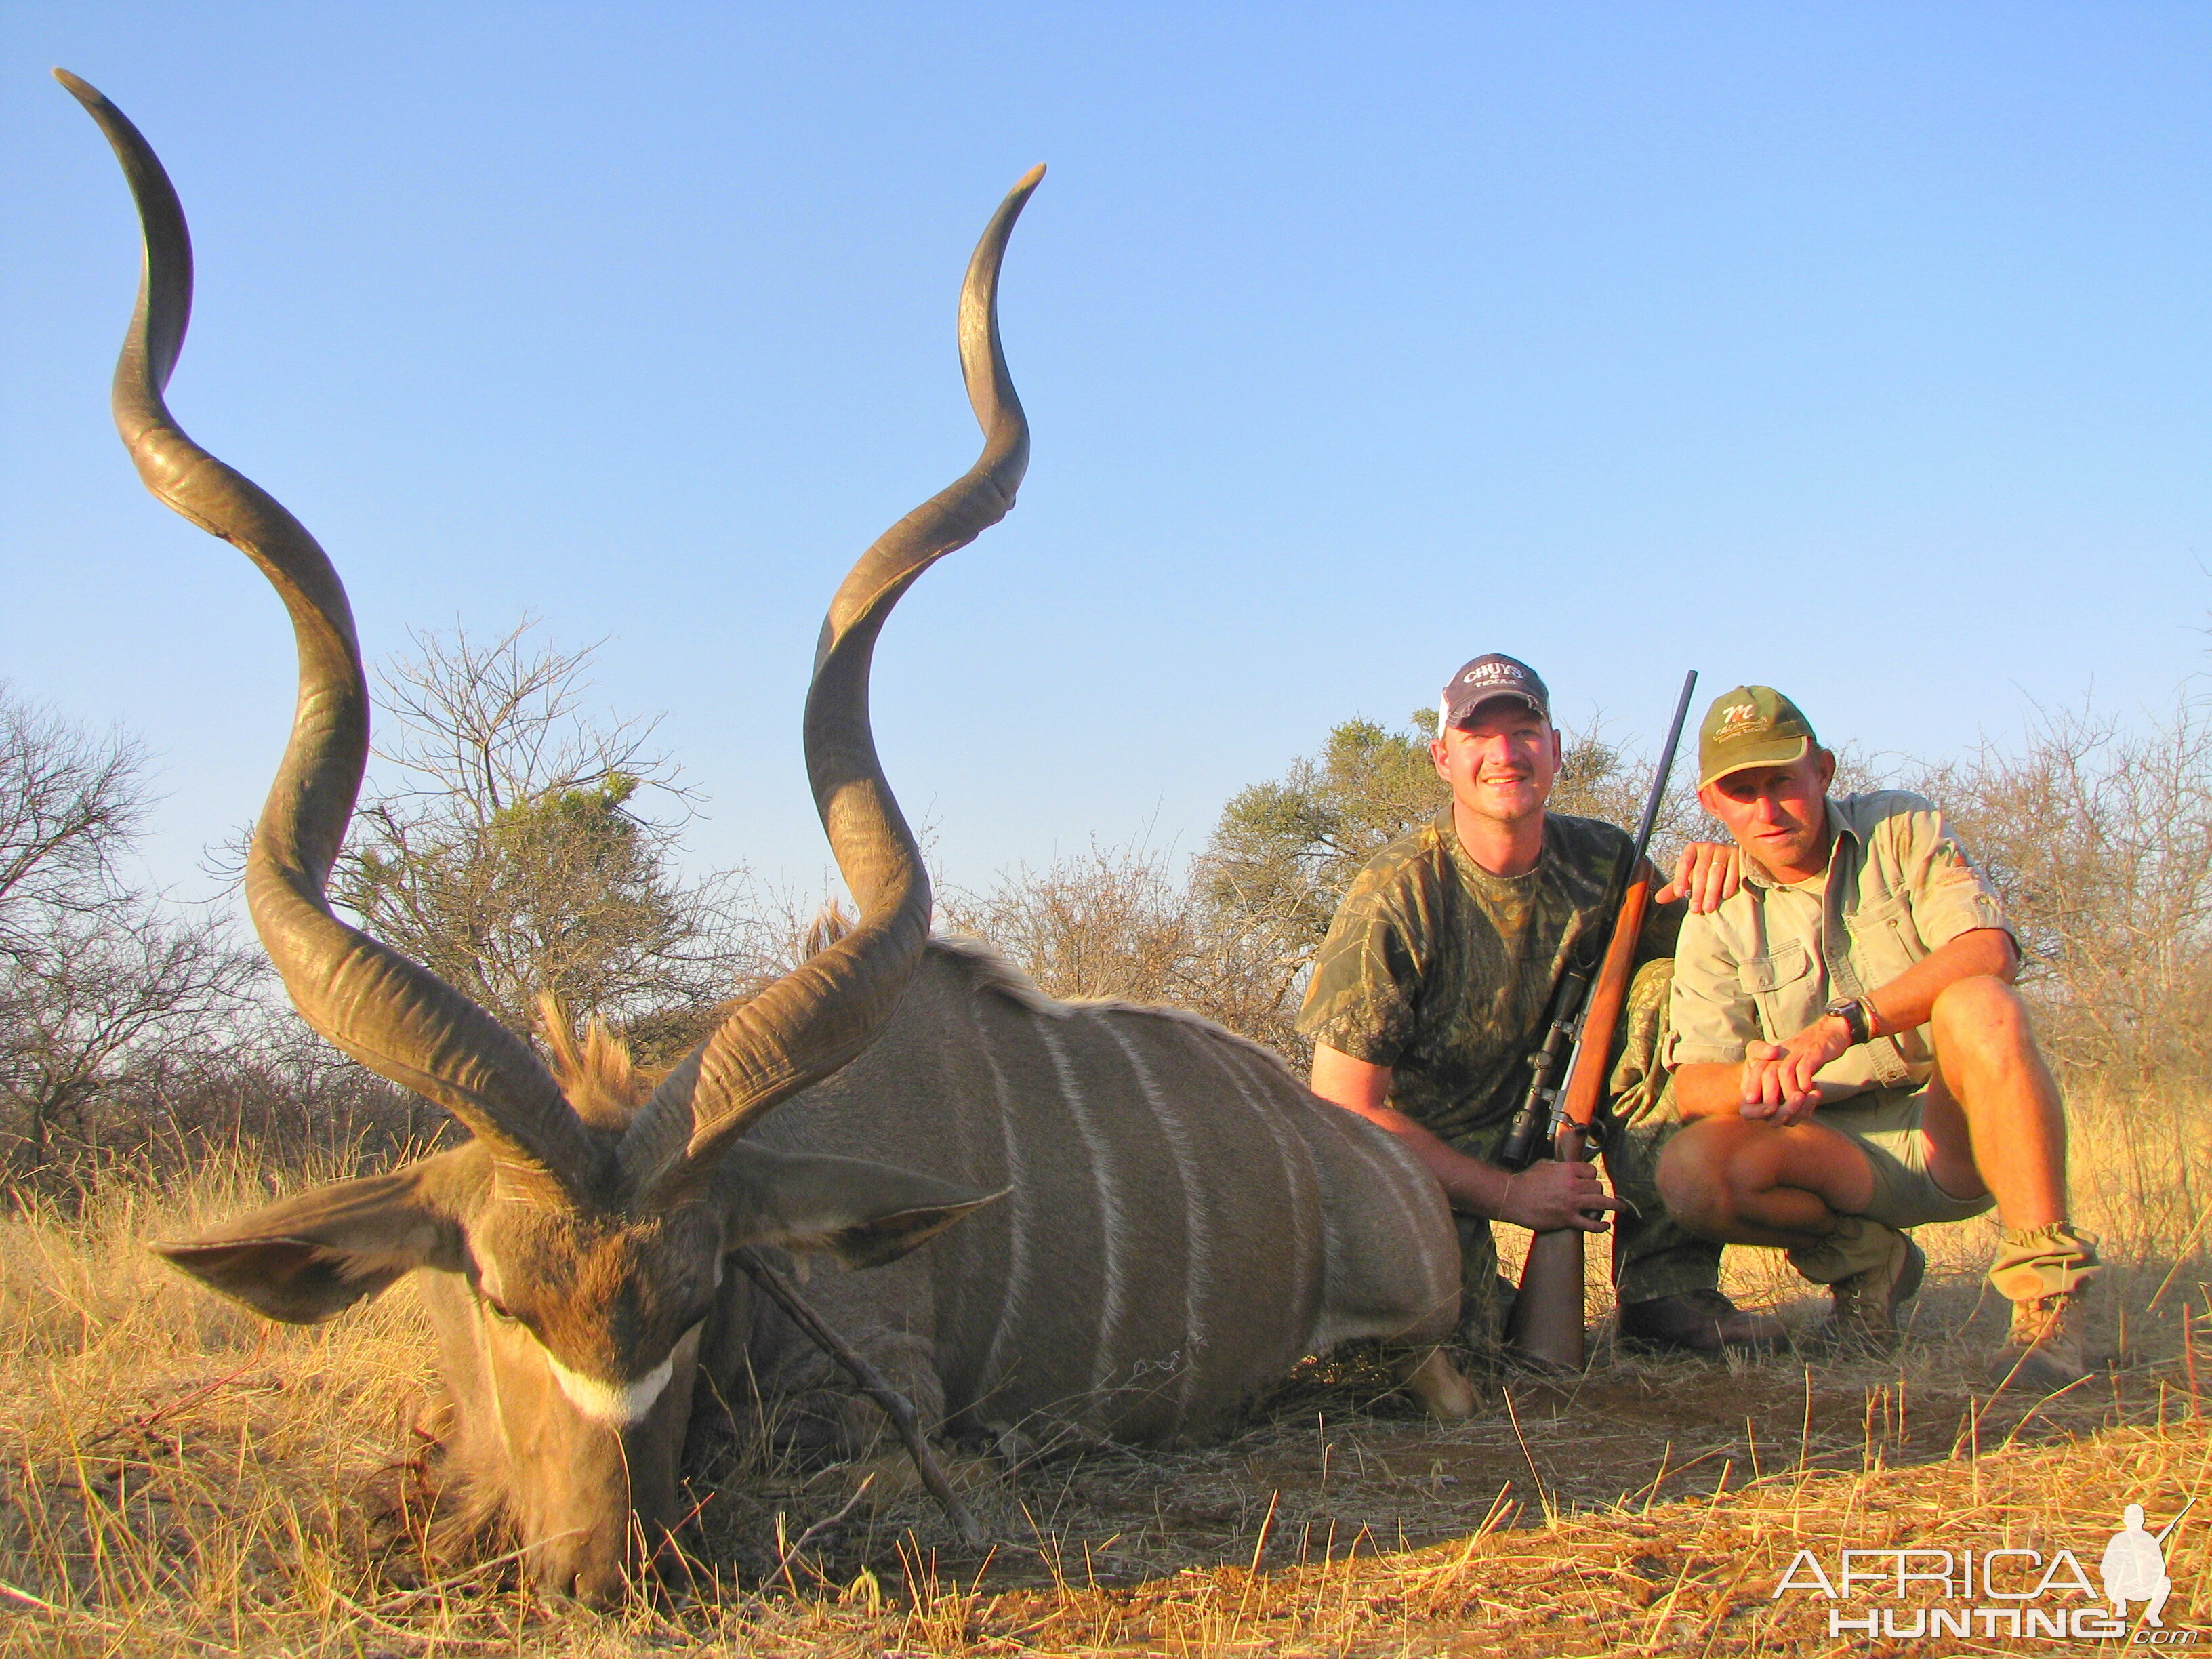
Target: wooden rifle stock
{"x":1546,"y":1322}
{"x":1546,"y":1327}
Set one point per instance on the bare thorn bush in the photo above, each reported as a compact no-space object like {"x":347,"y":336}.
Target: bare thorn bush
{"x":516,"y":843}
{"x":2099,"y":831}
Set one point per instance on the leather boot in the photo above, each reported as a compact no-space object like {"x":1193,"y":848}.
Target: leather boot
{"x":2043,"y":1350}
{"x":1865,"y":1319}
{"x":1700,"y":1322}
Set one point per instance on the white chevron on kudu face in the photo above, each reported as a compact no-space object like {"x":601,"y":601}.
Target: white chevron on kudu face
{"x":616,"y":1404}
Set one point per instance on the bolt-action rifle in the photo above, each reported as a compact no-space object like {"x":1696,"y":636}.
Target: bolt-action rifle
{"x":1567,"y":1087}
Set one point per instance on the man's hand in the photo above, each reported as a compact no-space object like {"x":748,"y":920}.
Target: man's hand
{"x":1777,"y":1076}
{"x":1708,"y":872}
{"x":1548,"y":1196}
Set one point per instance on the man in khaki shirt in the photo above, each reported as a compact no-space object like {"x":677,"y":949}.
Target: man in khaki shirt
{"x":1851,"y":1054}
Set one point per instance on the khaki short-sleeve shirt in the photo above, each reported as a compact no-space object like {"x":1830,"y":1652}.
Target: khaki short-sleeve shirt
{"x":1444,"y":972}
{"x":1768,"y":962}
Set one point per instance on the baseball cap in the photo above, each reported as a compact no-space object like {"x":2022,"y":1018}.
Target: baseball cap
{"x":1492,"y":676}
{"x":1750,"y":726}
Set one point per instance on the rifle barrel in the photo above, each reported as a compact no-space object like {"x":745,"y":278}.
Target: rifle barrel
{"x":1658,"y":795}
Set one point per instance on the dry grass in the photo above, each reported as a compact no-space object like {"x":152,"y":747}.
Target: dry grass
{"x":179,"y":1479}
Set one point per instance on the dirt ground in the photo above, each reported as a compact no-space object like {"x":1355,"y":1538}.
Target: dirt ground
{"x":1336,"y":1464}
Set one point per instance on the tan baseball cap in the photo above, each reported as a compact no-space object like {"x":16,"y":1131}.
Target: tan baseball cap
{"x":1750,"y":726}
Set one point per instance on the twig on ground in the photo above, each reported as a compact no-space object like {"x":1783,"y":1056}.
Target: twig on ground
{"x":475,"y":1570}
{"x":783,"y":1562}
{"x":1550,"y":1514}
{"x":175,"y":1405}
{"x":2189,"y":1359}
{"x":895,"y":1406}
{"x":31,"y":1601}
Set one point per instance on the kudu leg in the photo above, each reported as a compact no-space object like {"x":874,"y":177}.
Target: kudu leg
{"x":895,"y":1406}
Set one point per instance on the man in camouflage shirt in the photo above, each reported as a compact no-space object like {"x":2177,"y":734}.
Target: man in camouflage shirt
{"x":1851,"y":1053}
{"x":1430,"y":995}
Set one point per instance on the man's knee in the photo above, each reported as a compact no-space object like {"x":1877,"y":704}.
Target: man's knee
{"x":1981,"y":1014}
{"x":1985,"y":1045}
{"x":1700,"y":1174}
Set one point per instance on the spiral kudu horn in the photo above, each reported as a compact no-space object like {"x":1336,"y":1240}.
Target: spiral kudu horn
{"x":397,"y":1019}
{"x":816,"y":1019}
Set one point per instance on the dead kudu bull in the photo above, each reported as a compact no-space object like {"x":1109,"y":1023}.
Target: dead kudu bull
{"x":1184,"y":1221}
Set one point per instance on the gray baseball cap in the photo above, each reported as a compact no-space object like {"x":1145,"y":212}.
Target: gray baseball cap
{"x":1487,"y":676}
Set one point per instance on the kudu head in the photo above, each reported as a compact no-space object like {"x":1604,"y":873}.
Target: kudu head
{"x":575,"y":1249}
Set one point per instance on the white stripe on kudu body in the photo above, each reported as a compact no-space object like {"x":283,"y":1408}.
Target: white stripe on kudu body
{"x":1262,"y":1104}
{"x":1021,"y":1200}
{"x":1287,"y":1222}
{"x":1113,"y":1226}
{"x":1197,"y":1268}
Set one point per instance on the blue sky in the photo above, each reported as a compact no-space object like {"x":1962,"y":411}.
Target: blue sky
{"x":1864,"y":350}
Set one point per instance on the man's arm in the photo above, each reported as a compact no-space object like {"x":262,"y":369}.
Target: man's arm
{"x":1709,"y":1088}
{"x":1545,"y":1196}
{"x":1776,"y":1079}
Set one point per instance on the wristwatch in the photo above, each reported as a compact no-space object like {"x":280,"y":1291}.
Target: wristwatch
{"x":1852,"y":1012}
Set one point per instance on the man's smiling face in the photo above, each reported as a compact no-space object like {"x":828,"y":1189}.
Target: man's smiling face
{"x":1500,"y":760}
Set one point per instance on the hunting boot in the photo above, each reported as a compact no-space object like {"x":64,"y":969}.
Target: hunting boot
{"x":1872,"y":1270}
{"x":1700,"y":1322}
{"x":2045,"y":1272}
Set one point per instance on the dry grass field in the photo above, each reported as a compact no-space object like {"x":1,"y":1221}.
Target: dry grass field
{"x":181,"y":1479}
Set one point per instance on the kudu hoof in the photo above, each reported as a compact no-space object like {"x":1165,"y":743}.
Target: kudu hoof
{"x":1446,"y":1395}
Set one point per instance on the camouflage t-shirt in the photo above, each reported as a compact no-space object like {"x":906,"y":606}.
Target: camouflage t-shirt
{"x":1444,"y":972}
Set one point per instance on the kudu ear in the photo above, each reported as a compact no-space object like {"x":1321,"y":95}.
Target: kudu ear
{"x":307,"y":1258}
{"x":865,"y":1215}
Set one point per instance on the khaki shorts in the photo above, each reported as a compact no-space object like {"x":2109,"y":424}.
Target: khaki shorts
{"x":1884,"y":1125}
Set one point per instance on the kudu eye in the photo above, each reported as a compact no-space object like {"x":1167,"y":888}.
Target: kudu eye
{"x":499,"y":1309}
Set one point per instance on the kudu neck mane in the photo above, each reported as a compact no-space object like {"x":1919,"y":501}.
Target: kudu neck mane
{"x":597,"y":1072}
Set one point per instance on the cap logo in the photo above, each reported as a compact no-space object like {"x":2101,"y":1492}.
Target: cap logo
{"x":1738,"y":720}
{"x":1487,"y":672}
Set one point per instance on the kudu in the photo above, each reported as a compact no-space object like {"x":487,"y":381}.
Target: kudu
{"x":1168,"y":1179}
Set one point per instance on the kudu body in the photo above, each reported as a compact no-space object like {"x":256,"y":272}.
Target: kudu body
{"x":1186,"y":1220}
{"x":575,"y":1249}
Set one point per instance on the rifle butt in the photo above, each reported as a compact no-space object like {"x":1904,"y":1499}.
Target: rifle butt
{"x":1546,"y":1325}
